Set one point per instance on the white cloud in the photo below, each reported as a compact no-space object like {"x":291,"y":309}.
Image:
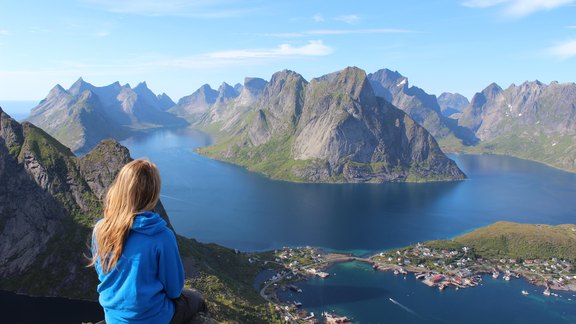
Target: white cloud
{"x":313,"y":48}
{"x":564,"y":50}
{"x":318,"y":18}
{"x":482,"y":3}
{"x":341,"y":32}
{"x":185,"y":8}
{"x":204,"y":61}
{"x":349,"y":19}
{"x":4,"y":32}
{"x":571,"y":27}
{"x":519,"y":8}
{"x":356,"y":31}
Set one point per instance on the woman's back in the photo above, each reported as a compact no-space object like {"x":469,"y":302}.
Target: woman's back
{"x":146,"y":277}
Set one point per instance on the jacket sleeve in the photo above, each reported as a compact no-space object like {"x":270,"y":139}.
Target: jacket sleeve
{"x":170,"y":270}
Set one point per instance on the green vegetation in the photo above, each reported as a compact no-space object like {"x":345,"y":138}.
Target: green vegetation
{"x":522,"y":241}
{"x":225,"y":278}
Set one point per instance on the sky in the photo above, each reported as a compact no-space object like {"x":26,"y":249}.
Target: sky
{"x":178,"y":45}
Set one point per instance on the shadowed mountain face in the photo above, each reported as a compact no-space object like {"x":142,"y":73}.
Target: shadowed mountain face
{"x":452,"y":103}
{"x":422,"y":107}
{"x":83,"y":115}
{"x":533,"y":120}
{"x":49,"y":202}
{"x":332,"y":129}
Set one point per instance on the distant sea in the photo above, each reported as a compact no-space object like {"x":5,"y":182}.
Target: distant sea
{"x":18,"y":110}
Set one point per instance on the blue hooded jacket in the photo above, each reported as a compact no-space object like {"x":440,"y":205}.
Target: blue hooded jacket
{"x":148,"y":275}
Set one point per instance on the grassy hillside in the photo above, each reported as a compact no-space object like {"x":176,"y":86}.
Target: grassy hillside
{"x":522,"y":241}
{"x":225,"y":279}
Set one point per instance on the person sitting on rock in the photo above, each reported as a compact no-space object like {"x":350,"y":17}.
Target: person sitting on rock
{"x":136,"y":256}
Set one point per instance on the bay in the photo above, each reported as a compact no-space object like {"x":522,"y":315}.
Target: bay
{"x":369,"y":296}
{"x":218,"y":202}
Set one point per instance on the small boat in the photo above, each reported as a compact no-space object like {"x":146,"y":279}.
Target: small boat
{"x":547,"y":292}
{"x":396,"y":272}
{"x":297,"y":303}
{"x":524,"y":292}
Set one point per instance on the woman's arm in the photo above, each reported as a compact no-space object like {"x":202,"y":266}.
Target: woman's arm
{"x":170,"y":270}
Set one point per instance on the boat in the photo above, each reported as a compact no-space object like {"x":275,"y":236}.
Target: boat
{"x":442,"y":287}
{"x":297,"y":303}
{"x":524,"y":292}
{"x":547,"y":292}
{"x":420,"y":276}
{"x":507,"y":277}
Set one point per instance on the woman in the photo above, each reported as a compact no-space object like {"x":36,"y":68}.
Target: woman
{"x":136,"y":255}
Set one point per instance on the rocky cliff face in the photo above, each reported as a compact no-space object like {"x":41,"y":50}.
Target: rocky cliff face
{"x":422,"y":107}
{"x":83,"y":115}
{"x":532,"y":120}
{"x":47,"y":211}
{"x":452,"y":103}
{"x":333,"y":129}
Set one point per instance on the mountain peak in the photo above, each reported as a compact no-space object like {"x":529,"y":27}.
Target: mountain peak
{"x":79,"y":86}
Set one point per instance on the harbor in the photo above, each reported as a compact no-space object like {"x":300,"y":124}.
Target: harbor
{"x":438,"y":268}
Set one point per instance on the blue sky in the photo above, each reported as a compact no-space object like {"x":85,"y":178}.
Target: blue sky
{"x":178,"y":45}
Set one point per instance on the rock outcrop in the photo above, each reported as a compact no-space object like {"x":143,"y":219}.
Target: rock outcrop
{"x":333,"y":129}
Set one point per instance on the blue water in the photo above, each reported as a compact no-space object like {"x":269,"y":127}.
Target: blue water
{"x":369,"y":296}
{"x":18,"y":109}
{"x":218,"y":202}
{"x":223,"y":203}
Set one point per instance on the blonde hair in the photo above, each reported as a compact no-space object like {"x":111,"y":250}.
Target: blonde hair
{"x":135,"y":189}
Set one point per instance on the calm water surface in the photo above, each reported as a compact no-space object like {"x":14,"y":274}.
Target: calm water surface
{"x":218,"y":202}
{"x":222,"y":203}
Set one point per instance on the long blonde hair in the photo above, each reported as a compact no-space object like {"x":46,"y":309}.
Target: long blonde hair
{"x":135,"y":189}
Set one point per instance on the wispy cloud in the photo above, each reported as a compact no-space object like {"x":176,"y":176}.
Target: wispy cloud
{"x":357,"y":31}
{"x":211,"y":60}
{"x":341,"y":32}
{"x":313,"y":48}
{"x":4,"y":32}
{"x":186,"y":8}
{"x":349,"y":19}
{"x":571,"y":27}
{"x":519,"y":8}
{"x":563,"y":50}
{"x":318,"y":18}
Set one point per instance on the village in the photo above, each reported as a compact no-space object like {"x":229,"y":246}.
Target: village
{"x":461,"y":268}
{"x":436,"y":267}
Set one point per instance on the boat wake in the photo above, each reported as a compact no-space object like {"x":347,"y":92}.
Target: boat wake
{"x":173,"y":198}
{"x":405,"y":308}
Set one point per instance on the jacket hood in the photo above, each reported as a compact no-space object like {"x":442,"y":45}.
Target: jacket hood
{"x":148,"y":223}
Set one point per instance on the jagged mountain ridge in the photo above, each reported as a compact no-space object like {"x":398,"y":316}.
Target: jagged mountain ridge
{"x":533,"y":120}
{"x":83,"y":115}
{"x":332,"y":129}
{"x":422,"y":107}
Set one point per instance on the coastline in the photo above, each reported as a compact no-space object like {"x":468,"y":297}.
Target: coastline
{"x":300,"y":264}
